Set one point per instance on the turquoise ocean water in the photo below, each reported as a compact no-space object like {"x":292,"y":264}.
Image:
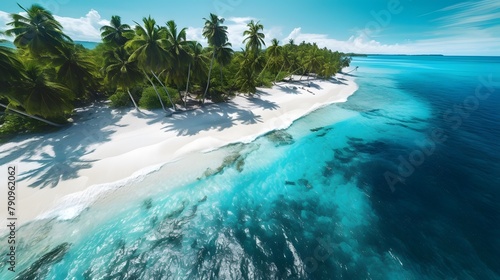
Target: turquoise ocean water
{"x":86,"y":44}
{"x":363,"y":191}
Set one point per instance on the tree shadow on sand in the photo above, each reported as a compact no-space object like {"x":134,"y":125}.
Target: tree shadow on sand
{"x":153,"y":116}
{"x":59,"y":155}
{"x":290,"y":89}
{"x":214,"y":117}
{"x":61,"y":166}
{"x":264,"y":104}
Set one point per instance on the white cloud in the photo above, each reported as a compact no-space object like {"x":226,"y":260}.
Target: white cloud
{"x":84,"y":28}
{"x":357,"y":44}
{"x":467,"y":28}
{"x":235,"y":28}
{"x":463,"y":29}
{"x":293,"y":35}
{"x":4,"y":19}
{"x":195,"y":34}
{"x":237,"y":25}
{"x":484,"y":43}
{"x":471,"y":13}
{"x":241,"y":20}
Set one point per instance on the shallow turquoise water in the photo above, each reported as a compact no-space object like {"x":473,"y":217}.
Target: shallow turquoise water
{"x":320,"y":206}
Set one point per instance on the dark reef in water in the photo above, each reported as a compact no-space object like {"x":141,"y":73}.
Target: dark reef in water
{"x":280,"y":138}
{"x":41,"y":267}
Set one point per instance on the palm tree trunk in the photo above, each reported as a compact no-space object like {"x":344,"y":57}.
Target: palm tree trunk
{"x":132,"y":98}
{"x":209,"y":73}
{"x":220,"y":66}
{"x":264,"y":69}
{"x":159,"y":97}
{"x":165,"y":88}
{"x":283,"y":65}
{"x":31,"y":116}
{"x":187,"y":85}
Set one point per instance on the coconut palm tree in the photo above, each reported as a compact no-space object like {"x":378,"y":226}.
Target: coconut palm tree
{"x":273,"y":54}
{"x":75,"y":69}
{"x":246,"y":77}
{"x":313,"y":60}
{"x":197,"y":66}
{"x":38,"y":31}
{"x":121,"y":72}
{"x":116,"y":33}
{"x":148,"y":50}
{"x":346,"y":61}
{"x":38,"y":95}
{"x":255,"y":38}
{"x":12,"y":76}
{"x":216,"y":35}
{"x":223,"y":56}
{"x":178,"y":48}
{"x":10,"y":68}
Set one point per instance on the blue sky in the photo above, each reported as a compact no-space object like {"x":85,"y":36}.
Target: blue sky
{"x":366,"y":26}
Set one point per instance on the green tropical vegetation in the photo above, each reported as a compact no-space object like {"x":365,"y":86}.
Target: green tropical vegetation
{"x":148,"y":66}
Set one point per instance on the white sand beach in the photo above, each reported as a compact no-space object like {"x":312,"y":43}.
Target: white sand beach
{"x":73,"y":166}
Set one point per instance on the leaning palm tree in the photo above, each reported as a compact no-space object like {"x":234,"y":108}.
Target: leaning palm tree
{"x":11,"y":75}
{"x":38,"y":31}
{"x":313,"y":61}
{"x":216,"y":35}
{"x":273,"y":54}
{"x":147,"y":49}
{"x":255,"y":38}
{"x":121,"y":72}
{"x":246,"y":77}
{"x":38,"y":95}
{"x":288,"y":59}
{"x":116,"y":33}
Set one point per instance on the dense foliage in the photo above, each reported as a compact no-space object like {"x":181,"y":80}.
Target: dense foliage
{"x":148,"y":65}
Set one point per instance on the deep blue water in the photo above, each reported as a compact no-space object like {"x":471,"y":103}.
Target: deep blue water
{"x":362,"y":192}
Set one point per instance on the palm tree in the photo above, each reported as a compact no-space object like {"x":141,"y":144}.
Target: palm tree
{"x":148,"y":51}
{"x":74,"y":69}
{"x":10,"y":68}
{"x":178,"y":48}
{"x":116,"y":33}
{"x":12,"y":75}
{"x":313,"y":60}
{"x":285,"y":56}
{"x":346,"y":61}
{"x":40,"y":96}
{"x":38,"y":31}
{"x":255,"y":38}
{"x":121,"y":72}
{"x":246,"y":78}
{"x":223,"y":56}
{"x":197,"y":66}
{"x":216,"y":35}
{"x":273,"y":54}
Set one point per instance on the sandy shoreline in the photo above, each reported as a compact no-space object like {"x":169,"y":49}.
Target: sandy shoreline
{"x":105,"y":148}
